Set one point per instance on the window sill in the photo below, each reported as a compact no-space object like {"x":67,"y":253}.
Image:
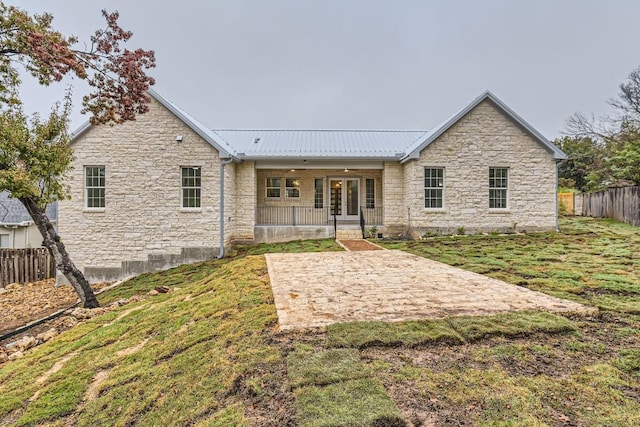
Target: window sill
{"x":191,"y":210}
{"x":500,"y":211}
{"x":93,"y":210}
{"x":435,"y":210}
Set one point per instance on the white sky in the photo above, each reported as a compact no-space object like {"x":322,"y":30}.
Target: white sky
{"x":368,"y":64}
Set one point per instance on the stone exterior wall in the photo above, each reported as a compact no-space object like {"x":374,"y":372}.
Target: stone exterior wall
{"x":393,"y":199}
{"x":245,"y":217}
{"x":484,"y":138}
{"x":143,"y":226}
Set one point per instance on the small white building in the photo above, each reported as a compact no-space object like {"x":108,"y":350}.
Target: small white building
{"x":165,"y":190}
{"x":17,"y":230}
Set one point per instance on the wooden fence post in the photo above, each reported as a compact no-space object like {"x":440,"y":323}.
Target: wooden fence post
{"x":25,"y":265}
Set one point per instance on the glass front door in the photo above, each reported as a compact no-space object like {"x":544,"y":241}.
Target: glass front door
{"x":344,"y":199}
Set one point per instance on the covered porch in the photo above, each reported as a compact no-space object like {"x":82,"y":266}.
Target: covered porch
{"x":318,"y":197}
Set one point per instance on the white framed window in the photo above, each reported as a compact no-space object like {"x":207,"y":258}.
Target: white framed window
{"x":94,"y":186}
{"x":370,"y":193}
{"x":292,"y":188}
{"x":4,"y":241}
{"x":433,"y":188}
{"x":273,"y":188}
{"x":318,"y":193}
{"x":191,"y":177}
{"x":498,"y":188}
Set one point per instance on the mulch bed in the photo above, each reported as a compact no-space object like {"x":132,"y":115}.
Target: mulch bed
{"x":23,"y":303}
{"x":360,"y":245}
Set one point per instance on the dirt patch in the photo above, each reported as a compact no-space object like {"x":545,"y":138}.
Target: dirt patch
{"x":131,"y":350}
{"x":360,"y":245}
{"x":98,"y":379}
{"x":55,"y":368}
{"x":125,"y":313}
{"x":267,"y":396}
{"x":24,"y":303}
{"x":536,"y":356}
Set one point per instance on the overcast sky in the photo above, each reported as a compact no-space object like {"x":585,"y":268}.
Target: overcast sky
{"x":355,"y":64}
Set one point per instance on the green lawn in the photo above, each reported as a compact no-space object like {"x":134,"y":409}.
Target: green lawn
{"x":194,"y":356}
{"x":209,"y":353}
{"x":590,"y":377}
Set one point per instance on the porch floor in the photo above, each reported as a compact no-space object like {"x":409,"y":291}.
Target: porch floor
{"x":317,"y":289}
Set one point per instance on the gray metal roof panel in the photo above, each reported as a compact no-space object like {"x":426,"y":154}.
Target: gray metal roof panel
{"x":325,"y":143}
{"x":14,"y":212}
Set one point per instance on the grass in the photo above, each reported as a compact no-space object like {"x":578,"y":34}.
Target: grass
{"x":333,"y":388}
{"x":541,"y":375}
{"x":221,"y":319}
{"x":356,"y":403}
{"x":588,"y":259}
{"x":209,"y":354}
{"x":454,"y":330}
{"x":305,"y":366}
{"x":414,"y":333}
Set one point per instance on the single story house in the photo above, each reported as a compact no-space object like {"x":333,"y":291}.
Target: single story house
{"x":165,"y":190}
{"x":17,"y":229}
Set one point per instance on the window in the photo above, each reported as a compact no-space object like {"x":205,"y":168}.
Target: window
{"x":433,"y":186}
{"x":273,"y":188}
{"x":318,"y":193}
{"x":4,"y":241}
{"x":94,"y":186}
{"x":498,"y":185}
{"x":191,"y":186}
{"x":292,"y":187}
{"x":370,"y":193}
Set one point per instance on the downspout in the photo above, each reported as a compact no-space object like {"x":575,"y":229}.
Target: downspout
{"x":222,"y":165}
{"x":556,"y":197}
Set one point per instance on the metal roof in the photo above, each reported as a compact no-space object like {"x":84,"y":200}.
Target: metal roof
{"x":319,"y":144}
{"x":255,"y":144}
{"x":413,"y":151}
{"x":14,"y":212}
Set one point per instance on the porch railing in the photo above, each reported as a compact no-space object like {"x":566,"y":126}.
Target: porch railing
{"x":308,"y":215}
{"x":292,"y":215}
{"x":372,"y":216}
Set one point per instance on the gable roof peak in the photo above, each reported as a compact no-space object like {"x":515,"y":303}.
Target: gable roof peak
{"x":413,"y":151}
{"x":225,"y":150}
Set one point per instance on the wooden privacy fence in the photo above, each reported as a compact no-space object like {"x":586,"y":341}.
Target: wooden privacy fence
{"x":568,"y":201}
{"x":25,"y":265}
{"x":621,"y":204}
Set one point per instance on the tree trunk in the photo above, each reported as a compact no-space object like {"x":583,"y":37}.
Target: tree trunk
{"x":51,"y":241}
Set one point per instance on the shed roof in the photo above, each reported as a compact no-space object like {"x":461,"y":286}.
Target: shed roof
{"x":353,"y":144}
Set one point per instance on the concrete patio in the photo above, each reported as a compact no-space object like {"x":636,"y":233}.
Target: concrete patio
{"x":317,"y":289}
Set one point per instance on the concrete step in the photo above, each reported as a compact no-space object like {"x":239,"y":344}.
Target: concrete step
{"x":348,"y":234}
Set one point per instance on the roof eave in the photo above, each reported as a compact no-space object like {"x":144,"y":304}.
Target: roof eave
{"x":329,"y":158}
{"x":81,"y":130}
{"x":415,"y":153}
{"x":224,"y":153}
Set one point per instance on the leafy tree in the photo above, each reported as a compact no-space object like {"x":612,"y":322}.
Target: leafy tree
{"x":618,"y":137}
{"x":34,"y":152}
{"x":585,"y":165}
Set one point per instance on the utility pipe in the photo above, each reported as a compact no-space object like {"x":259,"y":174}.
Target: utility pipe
{"x":222,"y":165}
{"x":556,"y":196}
